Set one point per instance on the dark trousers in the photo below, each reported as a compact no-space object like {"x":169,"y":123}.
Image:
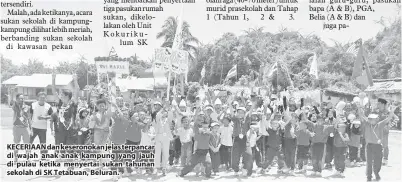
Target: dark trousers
{"x":215,"y":160}
{"x":256,"y":154}
{"x":198,"y":157}
{"x":82,"y":139}
{"x":66,"y":137}
{"x":116,"y":159}
{"x":385,"y":145}
{"x":374,"y":159}
{"x":353,"y":153}
{"x":318,"y":152}
{"x":302,"y":155}
{"x":363,"y":150}
{"x":225,"y":153}
{"x":128,"y":142}
{"x":290,"y":152}
{"x":271,"y":153}
{"x":329,"y":154}
{"x":41,"y":133}
{"x":240,"y":150}
{"x":177,"y":148}
{"x":339,"y":158}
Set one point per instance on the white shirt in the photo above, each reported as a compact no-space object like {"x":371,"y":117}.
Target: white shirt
{"x":264,"y":125}
{"x":39,"y":110}
{"x":147,"y":138}
{"x":252,"y":138}
{"x":185,"y":134}
{"x":226,"y":135}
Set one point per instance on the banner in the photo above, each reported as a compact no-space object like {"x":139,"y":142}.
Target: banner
{"x":177,"y":58}
{"x":118,"y":67}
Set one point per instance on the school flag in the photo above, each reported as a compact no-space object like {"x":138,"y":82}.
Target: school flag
{"x":232,"y":72}
{"x":314,"y":66}
{"x":361,"y":70}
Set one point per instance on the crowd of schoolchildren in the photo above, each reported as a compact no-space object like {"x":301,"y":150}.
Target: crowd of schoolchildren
{"x":231,"y":136}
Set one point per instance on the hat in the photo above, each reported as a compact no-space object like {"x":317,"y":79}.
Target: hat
{"x":182,"y":103}
{"x":242,"y":108}
{"x":201,"y":113}
{"x":356,"y":122}
{"x":157,"y":103}
{"x":218,"y":102}
{"x":254,"y":113}
{"x":249,"y":103}
{"x":174,"y":102}
{"x":373,"y":116}
{"x":214,"y":124}
{"x":209,"y":107}
{"x":259,"y":111}
{"x":206,"y":103}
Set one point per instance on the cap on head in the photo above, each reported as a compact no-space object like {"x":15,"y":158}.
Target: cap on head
{"x":157,"y":103}
{"x":218,"y":102}
{"x":356,"y":122}
{"x":373,"y":116}
{"x":242,"y":109}
{"x":182,"y":103}
{"x":214,"y":124}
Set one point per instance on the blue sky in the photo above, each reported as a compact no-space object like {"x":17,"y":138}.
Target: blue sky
{"x":205,"y":31}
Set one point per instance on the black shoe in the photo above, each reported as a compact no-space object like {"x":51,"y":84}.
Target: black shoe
{"x":377,"y":177}
{"x":369,"y":179}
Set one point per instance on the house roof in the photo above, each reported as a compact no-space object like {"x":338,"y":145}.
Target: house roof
{"x":39,"y":80}
{"x":385,"y":86}
{"x":15,"y":80}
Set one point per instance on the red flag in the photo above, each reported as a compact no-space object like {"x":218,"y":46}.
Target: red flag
{"x":361,"y":70}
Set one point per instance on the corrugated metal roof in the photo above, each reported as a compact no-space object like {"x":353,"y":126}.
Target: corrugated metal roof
{"x":39,"y":80}
{"x":15,"y":80}
{"x":385,"y":87}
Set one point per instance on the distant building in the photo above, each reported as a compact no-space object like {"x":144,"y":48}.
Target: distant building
{"x":30,"y":86}
{"x":389,"y":89}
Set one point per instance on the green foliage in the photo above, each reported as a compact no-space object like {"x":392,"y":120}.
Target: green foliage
{"x":256,"y":51}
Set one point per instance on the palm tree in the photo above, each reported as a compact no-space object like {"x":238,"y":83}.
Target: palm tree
{"x":168,"y":32}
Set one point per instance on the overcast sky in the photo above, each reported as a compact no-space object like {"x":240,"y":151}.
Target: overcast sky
{"x":205,"y":31}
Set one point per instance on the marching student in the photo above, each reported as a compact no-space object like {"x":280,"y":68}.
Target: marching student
{"x":118,"y":130}
{"x":252,"y":136}
{"x":289,"y":143}
{"x":226,"y":133}
{"x":185,"y":133}
{"x":321,"y":132}
{"x":303,"y":145}
{"x":21,"y":123}
{"x":102,"y":122}
{"x":162,"y":140}
{"x":214,"y":145}
{"x":67,"y":112}
{"x":329,"y":151}
{"x":83,"y":126}
{"x":373,"y":133}
{"x":341,"y":139}
{"x":40,"y":113}
{"x":240,"y":128}
{"x":148,"y":139}
{"x":354,"y":143}
{"x":274,"y":144}
{"x":201,"y":147}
